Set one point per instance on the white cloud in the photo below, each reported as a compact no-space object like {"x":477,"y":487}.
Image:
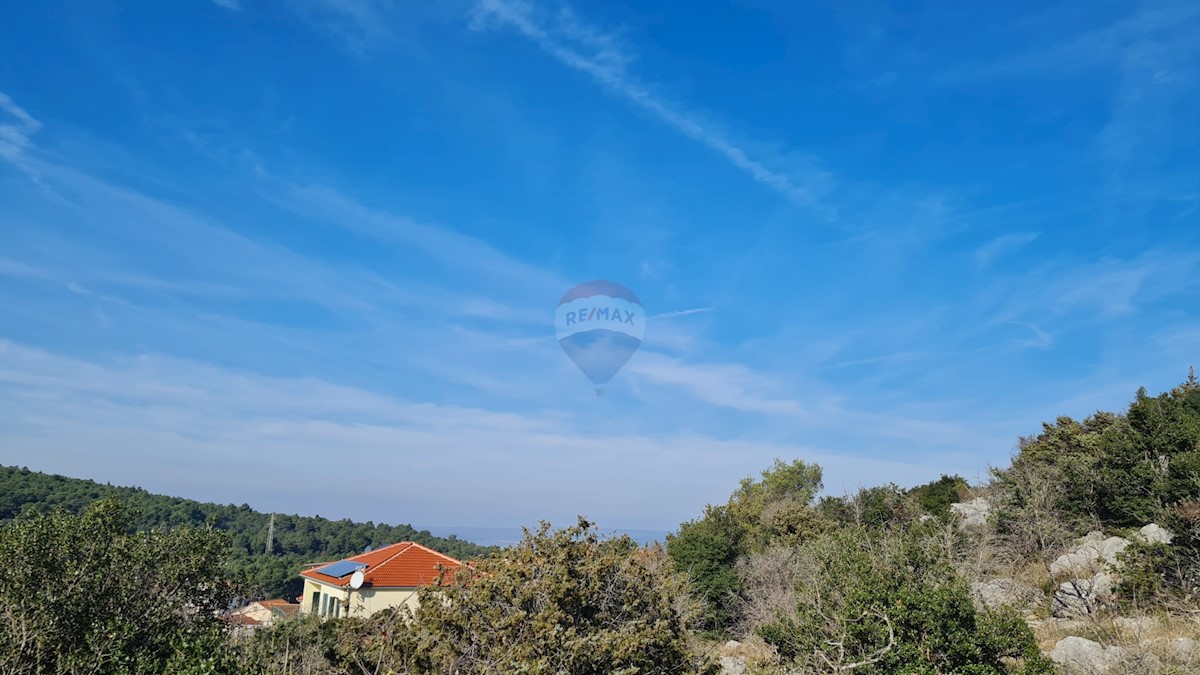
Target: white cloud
{"x":731,"y":386}
{"x":586,"y":48}
{"x":235,"y":5}
{"x":312,"y":446}
{"x":15,"y":137}
{"x":1040,"y":340}
{"x":16,"y":134}
{"x":1001,"y":246}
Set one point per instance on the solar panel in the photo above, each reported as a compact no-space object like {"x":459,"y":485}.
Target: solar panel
{"x":341,"y":568}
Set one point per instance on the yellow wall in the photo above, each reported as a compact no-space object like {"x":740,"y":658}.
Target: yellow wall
{"x":257,"y":612}
{"x":362,"y":602}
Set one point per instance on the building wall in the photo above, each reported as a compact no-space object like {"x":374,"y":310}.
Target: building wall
{"x":256,"y":611}
{"x":362,"y":602}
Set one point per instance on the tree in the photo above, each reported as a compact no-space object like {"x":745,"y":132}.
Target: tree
{"x":562,"y":601}
{"x":936,"y":496}
{"x":774,"y":510}
{"x":872,"y":601}
{"x":706,"y":551}
{"x":298,"y":539}
{"x":81,"y":594}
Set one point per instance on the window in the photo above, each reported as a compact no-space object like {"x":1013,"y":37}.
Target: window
{"x":316,"y":601}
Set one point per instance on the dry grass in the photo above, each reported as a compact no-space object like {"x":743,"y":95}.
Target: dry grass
{"x":760,"y":658}
{"x":1147,"y":638}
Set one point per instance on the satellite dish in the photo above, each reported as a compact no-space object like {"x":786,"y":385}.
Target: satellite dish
{"x":357,"y":579}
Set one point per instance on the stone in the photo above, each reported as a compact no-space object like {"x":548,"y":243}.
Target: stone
{"x":1090,"y":554}
{"x":1081,"y":597}
{"x":999,"y":592}
{"x":1080,"y":656}
{"x":1153,"y":534}
{"x":732,"y":665}
{"x":1185,"y":650}
{"x":1134,"y":625}
{"x":973,"y":513}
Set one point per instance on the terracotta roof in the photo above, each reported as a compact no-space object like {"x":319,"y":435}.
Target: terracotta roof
{"x":278,"y":602}
{"x":402,"y":565}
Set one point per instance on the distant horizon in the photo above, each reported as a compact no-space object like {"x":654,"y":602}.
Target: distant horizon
{"x":492,"y":532}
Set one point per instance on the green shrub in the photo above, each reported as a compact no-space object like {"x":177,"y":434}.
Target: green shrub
{"x":80,"y":594}
{"x":890,"y":603}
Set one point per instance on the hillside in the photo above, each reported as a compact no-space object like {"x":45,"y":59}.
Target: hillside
{"x":297,"y":540}
{"x":1080,"y":557}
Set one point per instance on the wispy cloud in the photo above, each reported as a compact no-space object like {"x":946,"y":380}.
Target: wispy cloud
{"x":682,"y":312}
{"x":588,"y":49}
{"x":1104,"y":46}
{"x":449,"y":247}
{"x":16,"y":135}
{"x":359,"y":23}
{"x":1040,"y":340}
{"x":169,"y":424}
{"x":235,"y":5}
{"x":731,"y":386}
{"x":1001,"y":246}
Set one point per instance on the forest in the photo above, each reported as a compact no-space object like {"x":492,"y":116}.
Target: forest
{"x":296,"y":539}
{"x":777,"y":579}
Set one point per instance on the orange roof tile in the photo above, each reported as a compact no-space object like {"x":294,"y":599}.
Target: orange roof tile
{"x":402,"y":565}
{"x":276,"y":602}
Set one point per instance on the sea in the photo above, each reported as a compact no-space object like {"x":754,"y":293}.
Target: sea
{"x":507,"y":536}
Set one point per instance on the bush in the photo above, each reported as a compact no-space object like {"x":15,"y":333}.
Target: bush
{"x":705,"y":552}
{"x":558,"y":602}
{"x":80,"y":594}
{"x":890,"y":603}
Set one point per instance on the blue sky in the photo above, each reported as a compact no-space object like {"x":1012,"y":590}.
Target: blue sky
{"x":305,"y":254}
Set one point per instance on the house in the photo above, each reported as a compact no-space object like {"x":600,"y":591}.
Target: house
{"x":391,"y":577}
{"x":262,"y":613}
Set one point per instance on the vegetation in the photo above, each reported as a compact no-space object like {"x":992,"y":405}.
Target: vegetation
{"x":874,"y":582}
{"x":1114,"y":471}
{"x":889,"y":603}
{"x":297,"y":539}
{"x":558,"y":602}
{"x":80,"y":594}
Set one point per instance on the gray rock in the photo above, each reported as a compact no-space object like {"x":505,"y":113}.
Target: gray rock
{"x":1079,"y":656}
{"x":1134,"y":625}
{"x":1000,"y":592}
{"x":973,"y":513}
{"x":1081,"y":597}
{"x":1089,"y":555}
{"x":1153,"y":534}
{"x":1185,"y":650}
{"x":732,"y":665}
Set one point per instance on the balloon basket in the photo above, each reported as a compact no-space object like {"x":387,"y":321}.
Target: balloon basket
{"x":599,"y":392}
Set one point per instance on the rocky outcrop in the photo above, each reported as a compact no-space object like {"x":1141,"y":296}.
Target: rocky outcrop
{"x":1091,"y":569}
{"x":1092,"y":553}
{"x":1000,"y":592}
{"x":731,"y":663}
{"x":1153,"y":534}
{"x":1080,"y":656}
{"x":1185,"y":651}
{"x":973,"y":513}
{"x":1081,"y":597}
